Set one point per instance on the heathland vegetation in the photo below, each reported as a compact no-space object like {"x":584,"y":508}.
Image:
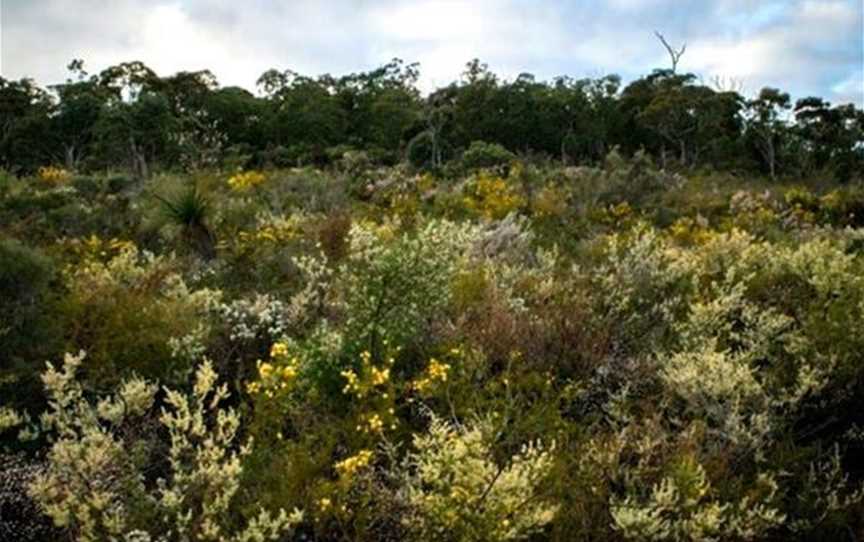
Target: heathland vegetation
{"x":507,"y":310}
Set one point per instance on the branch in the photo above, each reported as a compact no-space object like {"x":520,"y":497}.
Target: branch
{"x":673,"y":54}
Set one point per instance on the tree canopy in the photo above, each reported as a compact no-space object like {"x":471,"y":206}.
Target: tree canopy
{"x":128,"y":116}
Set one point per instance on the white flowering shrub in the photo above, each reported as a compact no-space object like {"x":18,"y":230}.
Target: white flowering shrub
{"x":641,"y":286}
{"x":261,"y":316}
{"x":681,"y":507}
{"x":458,"y":492}
{"x":136,"y":313}
{"x":393,"y":283}
{"x":206,"y":469}
{"x":94,"y":485}
{"x":90,"y":480}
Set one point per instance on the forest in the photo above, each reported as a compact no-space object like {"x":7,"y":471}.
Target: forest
{"x":341,"y":308}
{"x":127,"y":117}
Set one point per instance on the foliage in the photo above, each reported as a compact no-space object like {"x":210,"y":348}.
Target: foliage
{"x":486,"y":155}
{"x":458,"y":492}
{"x":399,"y":345}
{"x":94,"y":484}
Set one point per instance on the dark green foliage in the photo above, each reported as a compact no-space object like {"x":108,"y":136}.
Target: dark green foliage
{"x":29,"y":330}
{"x":25,"y":276}
{"x":190,"y":210}
{"x":486,"y":155}
{"x":129,"y":117}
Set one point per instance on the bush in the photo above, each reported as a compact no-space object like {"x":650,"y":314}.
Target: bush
{"x":481,"y":155}
{"x":94,"y":482}
{"x":132,"y":311}
{"x":26,"y":321}
{"x":456,"y":491}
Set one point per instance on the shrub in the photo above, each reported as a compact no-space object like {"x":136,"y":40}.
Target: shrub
{"x":490,"y":196}
{"x":26,"y":324}
{"x":457,"y":491}
{"x":53,"y":175}
{"x":481,"y":155}
{"x":94,"y":483}
{"x":246,"y":180}
{"x":392,"y":282}
{"x":125,"y":311}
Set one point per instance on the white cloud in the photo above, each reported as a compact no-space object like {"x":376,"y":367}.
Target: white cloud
{"x":806,"y":46}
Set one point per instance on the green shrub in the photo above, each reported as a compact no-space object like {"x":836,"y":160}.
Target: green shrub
{"x":25,"y":308}
{"x":481,"y":155}
{"x":94,"y":485}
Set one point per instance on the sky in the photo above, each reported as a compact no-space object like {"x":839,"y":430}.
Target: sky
{"x":806,"y":47}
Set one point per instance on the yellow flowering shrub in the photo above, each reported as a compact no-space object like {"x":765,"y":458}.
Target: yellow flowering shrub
{"x":435,"y":372}
{"x":53,"y":176}
{"x":491,"y":196}
{"x":96,"y":248}
{"x":374,"y":393}
{"x":246,"y":180}
{"x":349,"y":467}
{"x":277,"y":375}
{"x":270,"y":231}
{"x":690,"y":231}
{"x":550,"y":201}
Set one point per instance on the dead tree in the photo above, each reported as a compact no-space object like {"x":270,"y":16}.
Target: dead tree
{"x":673,"y":54}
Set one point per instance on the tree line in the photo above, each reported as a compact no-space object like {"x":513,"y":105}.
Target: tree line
{"x":129,"y":117}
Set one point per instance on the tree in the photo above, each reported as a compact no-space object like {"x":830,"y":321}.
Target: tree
{"x":26,"y":138}
{"x":80,"y":104}
{"x":674,"y":54}
{"x":139,"y":130}
{"x":765,"y":124}
{"x":833,"y":136}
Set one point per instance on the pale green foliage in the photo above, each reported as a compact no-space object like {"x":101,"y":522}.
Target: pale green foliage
{"x":205,"y":470}
{"x":681,"y":508}
{"x":504,"y":249}
{"x":314,"y":297}
{"x":643,"y":284}
{"x":89,"y":481}
{"x":458,"y":492}
{"x":392,"y":282}
{"x":827,"y":490}
{"x":715,"y":373}
{"x":9,"y":418}
{"x":93,"y":483}
{"x":720,"y":389}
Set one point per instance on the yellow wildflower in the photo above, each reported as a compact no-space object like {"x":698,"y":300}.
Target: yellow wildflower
{"x":265,"y":369}
{"x":435,"y":372}
{"x":246,"y":180}
{"x":380,"y":376}
{"x":53,"y":175}
{"x":350,"y":466}
{"x":279,"y":349}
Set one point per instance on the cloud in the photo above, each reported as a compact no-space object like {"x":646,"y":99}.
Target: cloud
{"x":805,"y":46}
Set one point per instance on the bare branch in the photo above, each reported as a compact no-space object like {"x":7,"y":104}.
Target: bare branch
{"x":674,"y":55}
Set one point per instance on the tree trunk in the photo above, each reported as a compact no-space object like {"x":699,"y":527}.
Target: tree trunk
{"x":70,"y":157}
{"x":139,"y":161}
{"x":772,"y":161}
